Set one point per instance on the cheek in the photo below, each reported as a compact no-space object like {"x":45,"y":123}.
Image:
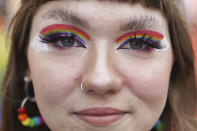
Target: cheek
{"x":148,"y":81}
{"x":55,"y":87}
{"x":149,"y":87}
{"x":54,"y":80}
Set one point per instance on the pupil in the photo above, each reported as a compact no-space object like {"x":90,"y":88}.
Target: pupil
{"x":68,"y":42}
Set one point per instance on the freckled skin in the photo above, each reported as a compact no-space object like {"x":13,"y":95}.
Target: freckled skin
{"x":130,"y":80}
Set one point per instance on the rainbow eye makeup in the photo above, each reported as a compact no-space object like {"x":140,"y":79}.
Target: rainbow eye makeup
{"x":67,"y":34}
{"x":141,"y":40}
{"x":64,"y":36}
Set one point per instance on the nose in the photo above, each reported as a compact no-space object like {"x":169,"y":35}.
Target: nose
{"x":101,"y":77}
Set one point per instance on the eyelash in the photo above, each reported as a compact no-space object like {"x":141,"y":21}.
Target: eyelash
{"x":57,"y":39}
{"x":145,"y":43}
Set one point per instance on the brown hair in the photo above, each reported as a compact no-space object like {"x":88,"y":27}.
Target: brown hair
{"x":180,"y":106}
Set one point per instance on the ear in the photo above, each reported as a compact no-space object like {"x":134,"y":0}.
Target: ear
{"x":28,"y":74}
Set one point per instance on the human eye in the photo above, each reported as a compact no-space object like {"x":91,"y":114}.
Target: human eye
{"x":141,"y":41}
{"x":63,"y":40}
{"x":64,"y":36}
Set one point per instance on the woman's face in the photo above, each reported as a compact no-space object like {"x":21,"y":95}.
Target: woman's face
{"x":119,"y":53}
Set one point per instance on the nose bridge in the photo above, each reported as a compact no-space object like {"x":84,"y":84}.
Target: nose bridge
{"x":101,"y":78}
{"x":101,"y":65}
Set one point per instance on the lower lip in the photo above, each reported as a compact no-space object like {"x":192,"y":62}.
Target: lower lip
{"x":102,"y":120}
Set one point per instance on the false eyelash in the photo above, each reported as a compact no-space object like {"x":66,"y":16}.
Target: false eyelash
{"x":148,"y":40}
{"x":55,"y":37}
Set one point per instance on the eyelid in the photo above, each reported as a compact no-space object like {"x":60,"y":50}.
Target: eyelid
{"x":155,"y":36}
{"x":65,"y":29}
{"x":55,"y":38}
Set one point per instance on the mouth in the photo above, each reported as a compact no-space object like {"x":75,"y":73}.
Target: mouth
{"x":100,"y":116}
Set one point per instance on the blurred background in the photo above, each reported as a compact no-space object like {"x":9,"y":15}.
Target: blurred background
{"x":3,"y":52}
{"x":9,"y":7}
{"x":7,"y":10}
{"x":191,"y":12}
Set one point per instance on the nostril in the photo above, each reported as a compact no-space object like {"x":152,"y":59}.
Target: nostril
{"x":91,"y":91}
{"x":110,"y":92}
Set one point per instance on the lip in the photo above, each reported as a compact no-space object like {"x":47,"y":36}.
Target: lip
{"x":100,"y":116}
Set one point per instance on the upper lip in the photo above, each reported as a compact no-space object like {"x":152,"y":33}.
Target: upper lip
{"x":100,"y":111}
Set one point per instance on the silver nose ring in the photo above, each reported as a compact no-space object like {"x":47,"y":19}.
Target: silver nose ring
{"x":82,"y":85}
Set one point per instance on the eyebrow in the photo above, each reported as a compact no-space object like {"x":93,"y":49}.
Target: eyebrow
{"x":67,"y":16}
{"x":139,"y":23}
